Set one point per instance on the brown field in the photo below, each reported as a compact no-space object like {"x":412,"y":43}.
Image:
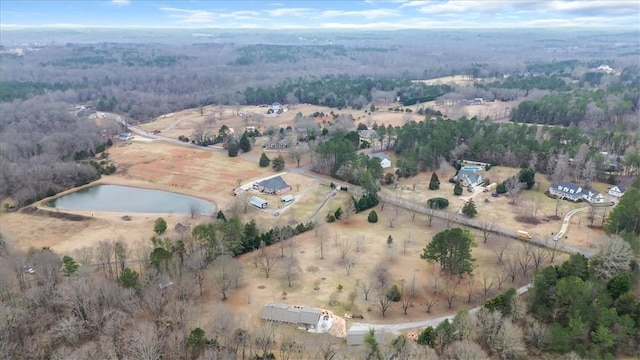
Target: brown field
{"x":212,"y":175}
{"x":183,"y":122}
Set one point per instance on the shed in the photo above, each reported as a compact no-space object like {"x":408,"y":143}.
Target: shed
{"x":181,"y":227}
{"x":274,"y":185}
{"x":258,"y":202}
{"x":287,"y":198}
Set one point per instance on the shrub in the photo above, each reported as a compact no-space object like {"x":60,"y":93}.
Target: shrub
{"x":394,"y":294}
{"x":457,"y":190}
{"x":330,"y":218}
{"x":338,"y":213}
{"x":373,"y":217}
{"x":501,"y":188}
{"x":437,"y":203}
{"x":264,"y":160}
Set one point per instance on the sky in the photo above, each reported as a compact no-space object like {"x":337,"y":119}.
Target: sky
{"x":317,"y":15}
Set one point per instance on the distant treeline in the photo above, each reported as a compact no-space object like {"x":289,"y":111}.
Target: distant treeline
{"x":421,"y":146}
{"x":11,"y":90}
{"x":592,"y":108}
{"x":344,"y":91}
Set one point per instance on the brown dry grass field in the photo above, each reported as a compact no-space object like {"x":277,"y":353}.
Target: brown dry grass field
{"x":183,"y":122}
{"x":211,"y":175}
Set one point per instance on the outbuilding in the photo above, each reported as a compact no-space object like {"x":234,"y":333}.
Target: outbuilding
{"x":296,"y":315}
{"x":260,"y":203}
{"x":287,"y":199}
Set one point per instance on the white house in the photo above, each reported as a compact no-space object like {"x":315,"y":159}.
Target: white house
{"x":469,"y":178}
{"x":593,"y":196}
{"x":575,"y":193}
{"x":617,"y":190}
{"x":385,"y":161}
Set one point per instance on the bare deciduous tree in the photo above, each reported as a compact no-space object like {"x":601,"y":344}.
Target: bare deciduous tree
{"x":267,"y":262}
{"x":538,"y":255}
{"x":488,"y":227}
{"x":486,"y":283}
{"x":524,"y":262}
{"x":226,"y":273}
{"x":105,"y":252}
{"x":348,"y":209}
{"x":382,"y":301}
{"x":408,"y":294}
{"x":406,"y":241}
{"x":614,"y":257}
{"x":290,"y":270}
{"x":470,"y":288}
{"x":366,"y":287}
{"x":430,"y":302}
{"x":450,"y":290}
{"x":146,"y":343}
{"x":464,"y":350}
{"x":500,"y":249}
{"x":512,"y":268}
{"x":321,"y":237}
{"x":501,"y":278}
{"x":345,"y":247}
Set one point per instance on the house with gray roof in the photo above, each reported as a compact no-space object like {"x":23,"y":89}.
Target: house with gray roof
{"x":274,"y":185}
{"x":469,"y":178}
{"x":617,"y":190}
{"x":575,"y":193}
{"x":291,"y":314}
{"x":385,"y":160}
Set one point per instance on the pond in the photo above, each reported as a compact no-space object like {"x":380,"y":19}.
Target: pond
{"x":132,"y":199}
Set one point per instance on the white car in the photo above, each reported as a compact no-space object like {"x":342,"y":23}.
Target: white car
{"x":30,"y":270}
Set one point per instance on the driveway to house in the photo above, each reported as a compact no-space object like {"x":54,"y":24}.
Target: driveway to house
{"x":567,"y":221}
{"x":399,"y":327}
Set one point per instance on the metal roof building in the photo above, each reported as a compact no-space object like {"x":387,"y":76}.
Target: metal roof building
{"x":297,"y":315}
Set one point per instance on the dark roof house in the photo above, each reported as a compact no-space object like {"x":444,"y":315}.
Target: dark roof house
{"x":469,"y":178}
{"x":274,"y":185}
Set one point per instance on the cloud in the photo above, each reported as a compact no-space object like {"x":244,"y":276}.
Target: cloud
{"x":367,"y":14}
{"x":190,"y":16}
{"x":120,"y":2}
{"x":291,"y":12}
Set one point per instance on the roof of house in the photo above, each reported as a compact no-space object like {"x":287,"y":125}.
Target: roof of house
{"x":274,"y":183}
{"x":566,"y":187}
{"x":370,"y":133}
{"x":592,"y":193}
{"x":381,"y":156}
{"x":621,"y":188}
{"x":469,"y":175}
{"x":291,"y":314}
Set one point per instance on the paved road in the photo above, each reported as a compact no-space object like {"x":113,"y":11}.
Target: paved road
{"x":397,"y":328}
